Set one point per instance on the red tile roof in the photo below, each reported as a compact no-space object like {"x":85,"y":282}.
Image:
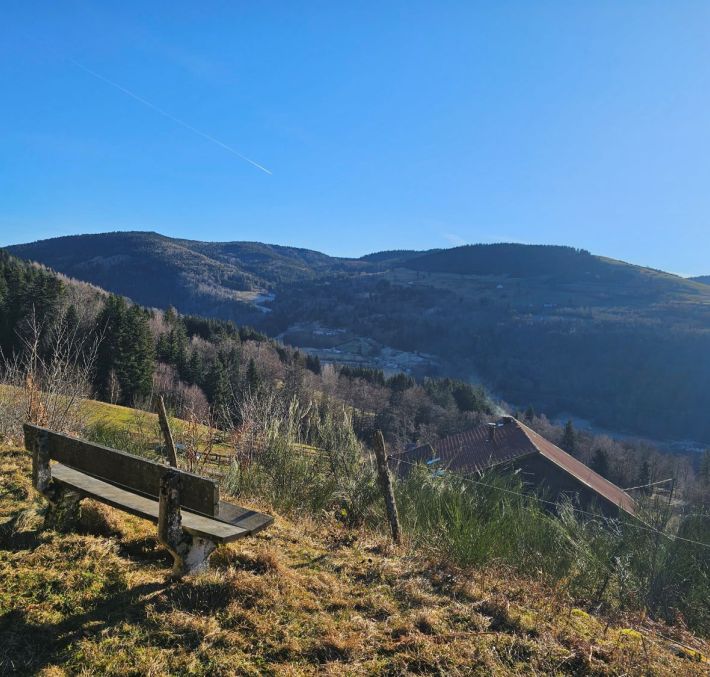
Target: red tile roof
{"x":474,"y":452}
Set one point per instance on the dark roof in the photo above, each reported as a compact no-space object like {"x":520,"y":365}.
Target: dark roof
{"x":474,"y":451}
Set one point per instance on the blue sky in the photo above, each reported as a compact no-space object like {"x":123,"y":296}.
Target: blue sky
{"x":384,"y":124}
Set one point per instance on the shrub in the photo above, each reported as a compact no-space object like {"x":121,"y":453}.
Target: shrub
{"x":272,"y":461}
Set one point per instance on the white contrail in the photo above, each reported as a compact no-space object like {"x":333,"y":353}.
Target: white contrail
{"x":165,"y":113}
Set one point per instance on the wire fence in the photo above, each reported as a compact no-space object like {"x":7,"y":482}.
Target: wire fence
{"x":311,"y":452}
{"x":642,"y":524}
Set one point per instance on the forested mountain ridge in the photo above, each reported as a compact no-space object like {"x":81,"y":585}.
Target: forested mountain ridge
{"x":213,"y":279}
{"x":556,"y":327}
{"x":204,"y":367}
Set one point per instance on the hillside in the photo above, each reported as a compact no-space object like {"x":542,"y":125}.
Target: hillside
{"x":513,"y":260}
{"x":703,"y":279}
{"x":212,"y":279}
{"x":304,"y":597}
{"x":565,"y":331}
{"x":571,"y":333}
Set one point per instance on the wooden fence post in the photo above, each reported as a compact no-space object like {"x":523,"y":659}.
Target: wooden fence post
{"x":386,"y":483}
{"x":167,"y":433}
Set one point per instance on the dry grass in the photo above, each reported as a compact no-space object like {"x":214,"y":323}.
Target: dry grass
{"x":301,"y":598}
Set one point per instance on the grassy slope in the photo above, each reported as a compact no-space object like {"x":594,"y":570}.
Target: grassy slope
{"x":144,"y":428}
{"x":300,"y":598}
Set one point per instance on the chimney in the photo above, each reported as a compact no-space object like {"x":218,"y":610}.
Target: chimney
{"x":492,"y":432}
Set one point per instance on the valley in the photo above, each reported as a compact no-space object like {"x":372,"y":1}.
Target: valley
{"x":552,"y":327}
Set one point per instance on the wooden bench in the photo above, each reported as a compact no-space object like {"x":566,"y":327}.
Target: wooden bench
{"x":192,"y":520}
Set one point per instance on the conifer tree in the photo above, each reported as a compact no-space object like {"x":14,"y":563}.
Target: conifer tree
{"x":170,"y":316}
{"x":135,"y":359}
{"x":644,"y":476}
{"x":569,"y":438}
{"x":253,"y":380}
{"x":195,"y":368}
{"x":126,"y":348}
{"x":218,"y":391}
{"x":705,"y":467}
{"x":600,"y":463}
{"x":71,"y":318}
{"x":178,"y":347}
{"x":109,"y":324}
{"x":312,"y":362}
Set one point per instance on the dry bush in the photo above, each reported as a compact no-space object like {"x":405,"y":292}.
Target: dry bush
{"x":46,"y":382}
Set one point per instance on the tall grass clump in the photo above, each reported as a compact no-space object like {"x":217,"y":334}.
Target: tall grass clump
{"x":656,"y":561}
{"x":134,"y":441}
{"x":302,"y":457}
{"x":474,"y":525}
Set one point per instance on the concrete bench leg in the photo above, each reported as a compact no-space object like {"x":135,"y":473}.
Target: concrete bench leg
{"x":64,"y":509}
{"x":190,"y":553}
{"x":192,"y":557}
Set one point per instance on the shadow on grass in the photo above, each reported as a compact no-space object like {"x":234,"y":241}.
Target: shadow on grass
{"x":27,"y":647}
{"x":14,"y":541}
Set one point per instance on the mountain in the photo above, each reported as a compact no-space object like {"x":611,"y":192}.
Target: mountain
{"x":516,"y":260}
{"x":703,"y":279}
{"x":558,"y":328}
{"x":214,"y":279}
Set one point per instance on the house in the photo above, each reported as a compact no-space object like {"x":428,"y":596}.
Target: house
{"x":511,"y":445}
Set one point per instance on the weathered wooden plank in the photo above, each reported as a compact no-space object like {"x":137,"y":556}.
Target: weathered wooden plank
{"x":247,"y":519}
{"x":141,"y":506}
{"x":122,"y":469}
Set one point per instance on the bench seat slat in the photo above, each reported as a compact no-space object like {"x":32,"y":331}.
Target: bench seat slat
{"x":250,"y":520}
{"x":198,"y":525}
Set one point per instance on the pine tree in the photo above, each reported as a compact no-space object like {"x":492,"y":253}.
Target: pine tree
{"x":312,"y":362}
{"x":135,"y":360}
{"x":71,"y":318}
{"x":195,"y":368}
{"x":600,"y":463}
{"x":109,"y":324}
{"x":530,"y":414}
{"x":162,"y":347}
{"x":178,"y":342}
{"x":705,"y":467}
{"x":232,"y":361}
{"x":218,"y":391}
{"x":644,"y":476}
{"x":170,"y":316}
{"x":569,"y":438}
{"x":253,"y":380}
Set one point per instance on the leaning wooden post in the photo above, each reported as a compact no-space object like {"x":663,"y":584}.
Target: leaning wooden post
{"x":167,"y":433}
{"x":386,"y":483}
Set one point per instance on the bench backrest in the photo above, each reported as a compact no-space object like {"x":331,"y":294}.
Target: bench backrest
{"x":122,"y":469}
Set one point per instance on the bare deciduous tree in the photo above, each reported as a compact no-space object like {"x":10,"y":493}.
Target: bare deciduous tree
{"x":46,"y":382}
